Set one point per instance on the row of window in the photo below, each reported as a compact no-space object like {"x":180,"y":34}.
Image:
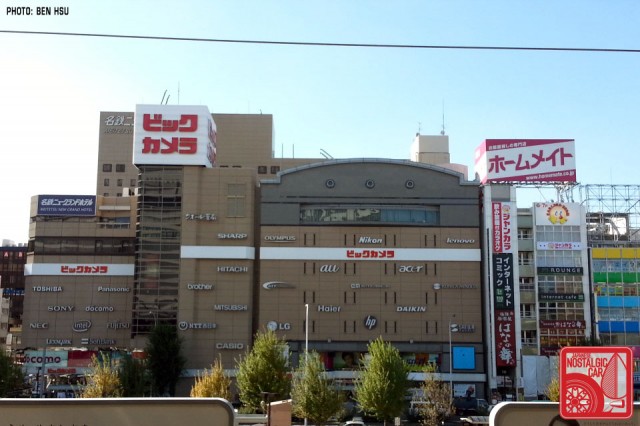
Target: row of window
{"x":119,"y":182}
{"x":424,"y":216}
{"x":629,"y":289}
{"x":616,"y":265}
{"x":619,"y":314}
{"x":108,"y":168}
{"x":389,"y":297}
{"x":351,"y":268}
{"x":560,"y":234}
{"x":70,"y":246}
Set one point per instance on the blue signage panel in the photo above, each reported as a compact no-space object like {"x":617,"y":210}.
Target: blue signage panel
{"x":66,"y":205}
{"x":464,"y":358}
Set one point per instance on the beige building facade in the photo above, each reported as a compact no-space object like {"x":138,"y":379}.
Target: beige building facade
{"x":328,"y":253}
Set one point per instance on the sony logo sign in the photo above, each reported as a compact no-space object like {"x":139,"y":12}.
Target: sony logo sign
{"x":59,"y":308}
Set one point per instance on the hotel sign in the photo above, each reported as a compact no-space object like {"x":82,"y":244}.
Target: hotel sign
{"x":66,"y":205}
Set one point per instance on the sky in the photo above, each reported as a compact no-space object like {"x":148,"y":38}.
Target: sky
{"x":351,"y":102}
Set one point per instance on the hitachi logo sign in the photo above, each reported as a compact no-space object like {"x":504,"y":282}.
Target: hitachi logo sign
{"x":370,"y":240}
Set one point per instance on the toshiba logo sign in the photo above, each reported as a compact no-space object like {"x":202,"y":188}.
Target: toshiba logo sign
{"x":174,"y":135}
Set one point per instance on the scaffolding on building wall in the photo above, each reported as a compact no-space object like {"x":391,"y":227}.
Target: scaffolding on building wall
{"x":613,"y":214}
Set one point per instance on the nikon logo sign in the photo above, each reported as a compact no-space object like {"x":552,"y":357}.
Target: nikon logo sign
{"x":369,"y":240}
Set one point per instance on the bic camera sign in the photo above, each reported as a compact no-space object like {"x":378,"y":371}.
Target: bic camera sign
{"x":596,"y":382}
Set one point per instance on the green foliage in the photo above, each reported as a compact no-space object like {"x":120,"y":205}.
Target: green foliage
{"x":263,"y":369}
{"x":164,"y":359}
{"x":134,"y":377}
{"x":553,"y":390}
{"x":436,"y":399}
{"x":11,"y":377}
{"x":382,"y":384}
{"x":313,"y":394}
{"x":213,"y":383}
{"x":103,"y":381}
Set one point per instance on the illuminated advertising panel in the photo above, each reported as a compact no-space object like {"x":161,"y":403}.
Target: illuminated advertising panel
{"x":182,"y":135}
{"x":66,"y":205}
{"x":526,"y":160}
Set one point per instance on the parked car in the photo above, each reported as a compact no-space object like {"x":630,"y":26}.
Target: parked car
{"x":356,"y":421}
{"x":469,"y":406}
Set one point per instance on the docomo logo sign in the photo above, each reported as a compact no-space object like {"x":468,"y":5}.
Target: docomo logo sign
{"x":174,"y":135}
{"x":99,"y":309}
{"x":40,"y":359}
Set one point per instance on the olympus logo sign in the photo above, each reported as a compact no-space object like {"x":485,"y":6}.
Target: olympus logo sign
{"x":280,"y":238}
{"x":114,"y":289}
{"x":184,"y":325}
{"x":438,"y":286}
{"x":59,"y":308}
{"x":370,"y":322}
{"x":329,"y":268}
{"x":274,"y":325}
{"x":460,"y":241}
{"x":47,"y":289}
{"x":99,"y":309}
{"x":81,"y":326}
{"x":198,"y":286}
{"x":329,"y":308}
{"x":411,"y":309}
{"x":233,"y":346}
{"x":233,"y":269}
{"x":369,"y":240}
{"x":276,"y":284}
{"x":230,"y":307}
{"x":407,"y":268}
{"x":232,"y":236}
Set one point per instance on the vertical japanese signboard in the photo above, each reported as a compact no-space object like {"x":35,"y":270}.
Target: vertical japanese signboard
{"x":596,"y":382}
{"x":502,"y":268}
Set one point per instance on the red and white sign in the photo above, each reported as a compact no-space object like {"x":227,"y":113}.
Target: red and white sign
{"x":174,"y":135}
{"x":596,"y":382}
{"x":530,"y":160}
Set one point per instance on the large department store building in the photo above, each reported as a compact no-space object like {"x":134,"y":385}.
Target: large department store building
{"x":196,"y":224}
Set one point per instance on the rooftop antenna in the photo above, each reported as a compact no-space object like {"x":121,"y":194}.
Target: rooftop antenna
{"x":178,"y":93}
{"x":163,"y":95}
{"x":325,"y":154}
{"x":419,"y":127}
{"x":442,"y":131}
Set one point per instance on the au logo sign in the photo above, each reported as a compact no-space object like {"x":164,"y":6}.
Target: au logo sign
{"x":596,"y":382}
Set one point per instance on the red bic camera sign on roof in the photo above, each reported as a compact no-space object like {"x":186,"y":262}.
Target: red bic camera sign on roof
{"x":596,"y":382}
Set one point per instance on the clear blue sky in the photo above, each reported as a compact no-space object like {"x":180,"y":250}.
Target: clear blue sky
{"x":351,"y":102}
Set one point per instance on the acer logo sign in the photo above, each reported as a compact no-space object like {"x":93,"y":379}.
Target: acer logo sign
{"x":407,"y":268}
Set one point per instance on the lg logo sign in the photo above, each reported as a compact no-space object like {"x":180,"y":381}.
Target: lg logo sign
{"x":370,"y":322}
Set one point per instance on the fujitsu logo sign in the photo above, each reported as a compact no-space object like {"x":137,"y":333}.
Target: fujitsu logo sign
{"x":329,"y":268}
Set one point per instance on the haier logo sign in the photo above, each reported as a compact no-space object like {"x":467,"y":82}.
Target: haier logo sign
{"x":370,"y":322}
{"x":329,"y":268}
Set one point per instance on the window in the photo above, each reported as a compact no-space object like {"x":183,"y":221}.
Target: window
{"x":525,"y":233}
{"x":106,"y":182}
{"x":275,"y":169}
{"x":236,"y":197}
{"x":526,"y":284}
{"x":527,"y":310}
{"x":120,"y":168}
{"x":262,"y":170}
{"x":525,"y":258}
{"x":106,"y":167}
{"x":132,"y":183}
{"x":119,"y":182}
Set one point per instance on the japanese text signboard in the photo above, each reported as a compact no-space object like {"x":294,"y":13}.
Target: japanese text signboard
{"x":174,"y":135}
{"x":530,"y":160}
{"x":66,"y":205}
{"x":503,"y":284}
{"x":505,"y":330}
{"x":596,"y":382}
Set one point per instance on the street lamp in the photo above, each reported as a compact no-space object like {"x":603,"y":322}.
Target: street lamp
{"x":453,"y":328}
{"x":306,"y":340}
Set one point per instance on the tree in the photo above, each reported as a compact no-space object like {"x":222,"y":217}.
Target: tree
{"x":313,"y":394}
{"x":263,"y":369}
{"x":11,"y":377}
{"x":212,"y":383}
{"x":103,"y":381}
{"x":553,"y":390}
{"x":164,"y":359}
{"x":134,"y":377}
{"x":435,"y":404}
{"x":381,"y":386}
